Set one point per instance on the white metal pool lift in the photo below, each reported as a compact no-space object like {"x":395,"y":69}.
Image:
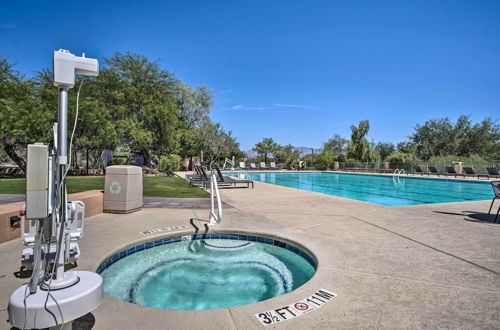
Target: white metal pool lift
{"x":54,"y":298}
{"x":231,"y":162}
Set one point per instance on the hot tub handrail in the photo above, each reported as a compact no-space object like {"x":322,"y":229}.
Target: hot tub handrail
{"x":214,"y":192}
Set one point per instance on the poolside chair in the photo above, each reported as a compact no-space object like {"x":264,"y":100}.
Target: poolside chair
{"x":230,"y":180}
{"x":263,"y":166}
{"x":243,"y":165}
{"x":418,"y":170}
{"x":492,"y":172}
{"x":434,"y":170}
{"x":451,"y":171}
{"x":253,"y":166}
{"x":469,"y":171}
{"x":273,"y":166}
{"x":496,"y":190}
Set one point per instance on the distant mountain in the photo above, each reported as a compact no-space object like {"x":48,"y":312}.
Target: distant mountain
{"x":307,"y":150}
{"x":303,"y":152}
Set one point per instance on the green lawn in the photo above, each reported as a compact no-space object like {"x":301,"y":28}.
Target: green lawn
{"x":154,"y":186}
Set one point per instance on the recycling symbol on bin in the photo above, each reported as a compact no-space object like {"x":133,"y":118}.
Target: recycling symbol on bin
{"x":115,"y":187}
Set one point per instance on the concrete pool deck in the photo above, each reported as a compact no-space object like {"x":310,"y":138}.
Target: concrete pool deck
{"x":426,"y":266}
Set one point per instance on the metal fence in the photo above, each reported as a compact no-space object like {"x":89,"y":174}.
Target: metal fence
{"x":409,"y":167}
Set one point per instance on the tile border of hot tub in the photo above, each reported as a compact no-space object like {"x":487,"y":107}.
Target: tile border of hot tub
{"x":240,"y":236}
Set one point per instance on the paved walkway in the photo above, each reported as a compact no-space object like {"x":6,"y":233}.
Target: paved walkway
{"x":9,"y":198}
{"x":428,"y":266}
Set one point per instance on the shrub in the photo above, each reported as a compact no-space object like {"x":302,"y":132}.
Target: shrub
{"x":324,"y":160}
{"x":120,"y":161}
{"x":169,"y":164}
{"x":400,"y":158}
{"x":467,"y":161}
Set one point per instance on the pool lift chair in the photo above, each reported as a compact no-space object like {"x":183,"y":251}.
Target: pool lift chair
{"x":54,"y":297}
{"x":76,"y":215}
{"x":496,"y":189}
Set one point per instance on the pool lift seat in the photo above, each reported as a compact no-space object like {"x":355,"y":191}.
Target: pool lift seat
{"x":76,"y":215}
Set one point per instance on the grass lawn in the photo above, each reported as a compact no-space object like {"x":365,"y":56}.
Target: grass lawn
{"x":154,"y":186}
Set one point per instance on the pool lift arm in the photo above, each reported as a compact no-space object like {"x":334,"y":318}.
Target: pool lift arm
{"x":54,"y":297}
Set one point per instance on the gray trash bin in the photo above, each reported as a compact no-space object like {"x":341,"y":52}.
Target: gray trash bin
{"x":123,"y":189}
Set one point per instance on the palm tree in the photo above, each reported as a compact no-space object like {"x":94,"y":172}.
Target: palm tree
{"x":265,"y":147}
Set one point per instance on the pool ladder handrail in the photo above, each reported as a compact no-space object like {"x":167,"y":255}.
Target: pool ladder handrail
{"x":214,"y":192}
{"x":242,"y":174}
{"x":398,"y":172}
{"x":395,"y":178}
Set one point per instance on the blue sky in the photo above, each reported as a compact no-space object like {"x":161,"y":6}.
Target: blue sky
{"x":297,"y":71}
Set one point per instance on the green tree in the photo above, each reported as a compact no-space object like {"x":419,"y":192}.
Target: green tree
{"x":286,"y":155}
{"x":23,"y":119}
{"x":142,"y":100}
{"x":441,"y":137}
{"x":335,"y":148}
{"x":215,"y":142}
{"x":359,"y":148}
{"x":384,"y":149}
{"x":265,"y":147}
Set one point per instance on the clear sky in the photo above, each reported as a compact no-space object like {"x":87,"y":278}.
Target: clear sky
{"x":297,"y":71}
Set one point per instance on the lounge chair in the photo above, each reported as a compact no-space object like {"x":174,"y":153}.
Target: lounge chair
{"x":434,"y":170}
{"x":263,"y":166}
{"x":230,"y":180}
{"x":469,"y":171}
{"x":418,"y":170}
{"x":496,"y":189}
{"x":243,"y":165}
{"x":273,"y":166}
{"x":253,"y":166}
{"x":451,"y":171}
{"x":492,"y":172}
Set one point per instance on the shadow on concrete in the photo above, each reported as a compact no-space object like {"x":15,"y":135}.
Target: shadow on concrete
{"x":474,"y":216}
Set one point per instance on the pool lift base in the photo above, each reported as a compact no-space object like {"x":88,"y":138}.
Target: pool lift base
{"x":72,"y":302}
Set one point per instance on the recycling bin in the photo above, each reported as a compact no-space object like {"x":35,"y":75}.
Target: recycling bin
{"x":123,"y":189}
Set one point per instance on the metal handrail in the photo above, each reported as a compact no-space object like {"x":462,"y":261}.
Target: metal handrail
{"x":244,"y":174}
{"x":214,"y":192}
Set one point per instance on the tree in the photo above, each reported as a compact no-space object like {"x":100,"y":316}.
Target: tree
{"x":287,"y":155}
{"x":194,"y":104}
{"x":337,"y":146}
{"x":142,"y":100}
{"x":265,"y":147}
{"x":23,"y":120}
{"x":359,"y":148}
{"x":440,"y":137}
{"x":215,"y":142}
{"x":384,"y":149}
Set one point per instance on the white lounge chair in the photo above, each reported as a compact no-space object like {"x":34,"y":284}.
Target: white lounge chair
{"x":263,"y":165}
{"x":253,"y":166}
{"x":243,"y":165}
{"x":273,"y":166}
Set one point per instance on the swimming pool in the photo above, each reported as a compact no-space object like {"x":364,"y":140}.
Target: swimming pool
{"x":198,"y":272}
{"x":380,"y":189}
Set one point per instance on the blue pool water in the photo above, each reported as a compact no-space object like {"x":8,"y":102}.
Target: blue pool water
{"x":378,"y":189}
{"x":217,"y":271}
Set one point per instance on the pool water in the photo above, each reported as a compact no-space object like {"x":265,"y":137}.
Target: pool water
{"x":206,"y":274}
{"x":379,"y":189}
